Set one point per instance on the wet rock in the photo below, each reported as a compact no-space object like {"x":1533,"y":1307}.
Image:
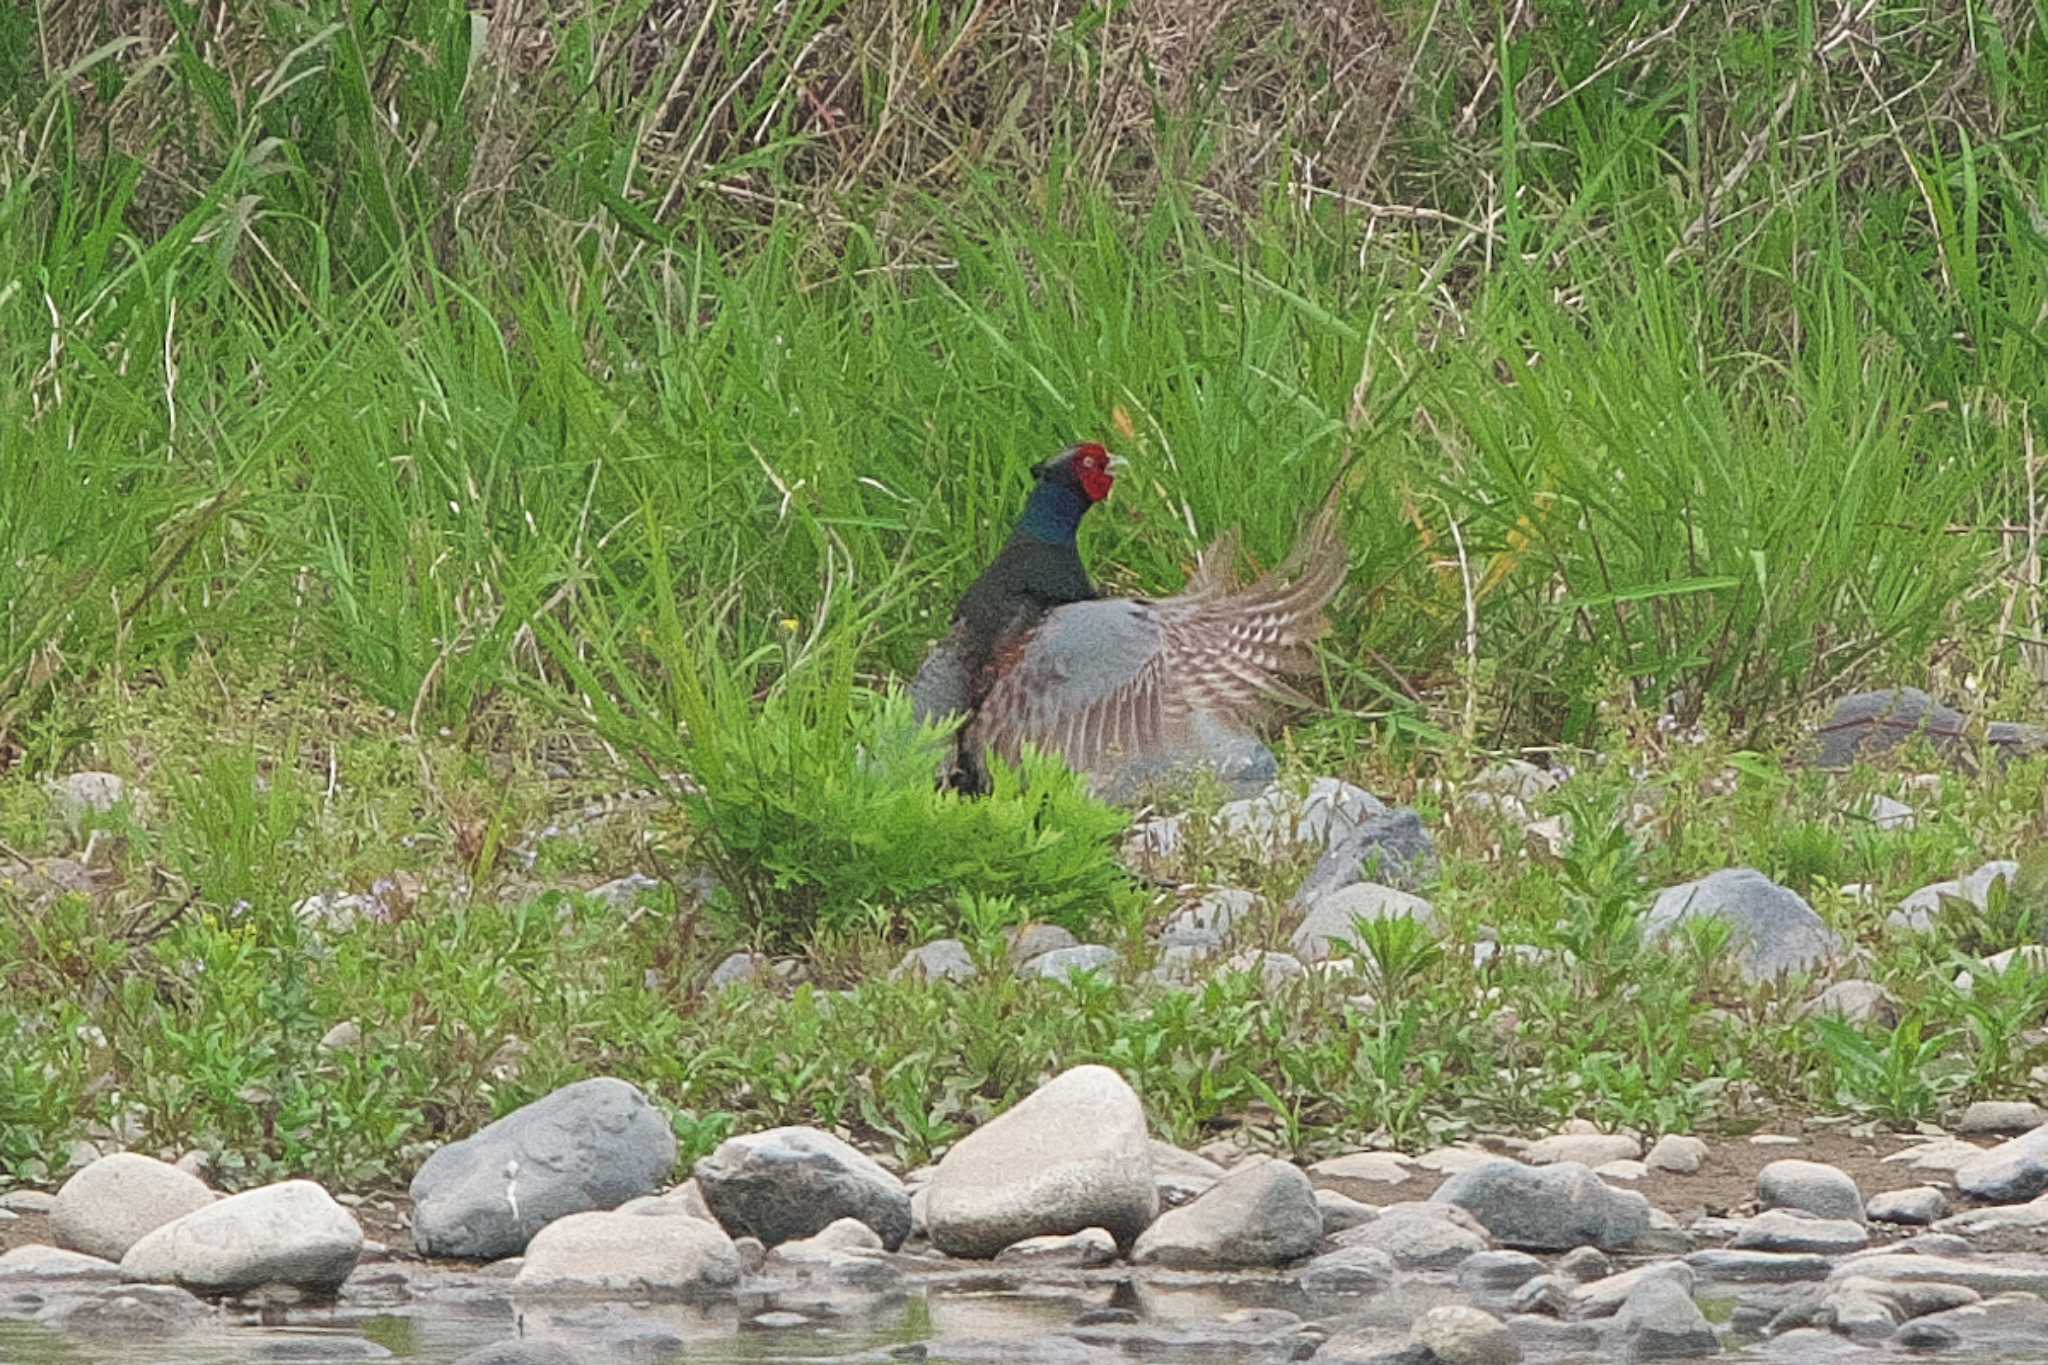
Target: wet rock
{"x":1811,"y":1186}
{"x":1391,"y":849}
{"x":291,"y":1233}
{"x":1791,"y":1230}
{"x":787,"y":1183}
{"x":137,"y":1312}
{"x":522,"y":1352}
{"x":1349,"y":1270}
{"x":1660,"y":1321}
{"x":1261,"y":1214}
{"x":108,"y":1207}
{"x":1088,"y":1247}
{"x":945,"y":959}
{"x":1604,"y":1297}
{"x":1915,"y":1207}
{"x":1071,"y":1155}
{"x":2001,"y":1118}
{"x":1758,"y":1267}
{"x":1062,"y":963}
{"x":1457,"y":1334}
{"x":1677,"y":1153}
{"x":37,"y":1262}
{"x":1334,"y":919}
{"x":1418,"y":1236}
{"x":836,"y":1273}
{"x":1990,"y":1275}
{"x":1497,"y":1272}
{"x":589,"y":1146}
{"x":1918,"y":912}
{"x":2010,"y":1173}
{"x":1588,"y":1149}
{"x":1857,"y":1002}
{"x":621,"y":1253}
{"x":1547,"y":1208}
{"x":1772,"y":929}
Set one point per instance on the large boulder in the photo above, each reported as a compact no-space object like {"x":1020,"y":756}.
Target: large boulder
{"x":787,"y":1183}
{"x":1071,"y":1155}
{"x":1773,"y":930}
{"x":1264,"y":1213}
{"x":586,"y":1147}
{"x":114,"y":1202}
{"x":291,"y":1233}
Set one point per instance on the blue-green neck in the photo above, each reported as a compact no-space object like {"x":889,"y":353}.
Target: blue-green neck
{"x":1053,"y":514}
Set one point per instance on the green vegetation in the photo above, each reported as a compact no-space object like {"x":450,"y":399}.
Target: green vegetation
{"x":415,"y":424}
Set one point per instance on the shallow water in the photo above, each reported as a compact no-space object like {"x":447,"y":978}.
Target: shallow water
{"x":1175,"y":1324}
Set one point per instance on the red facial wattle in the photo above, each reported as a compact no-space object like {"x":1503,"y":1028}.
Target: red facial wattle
{"x":1092,"y":463}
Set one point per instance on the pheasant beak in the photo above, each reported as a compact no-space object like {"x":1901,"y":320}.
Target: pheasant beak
{"x":1118,"y":464}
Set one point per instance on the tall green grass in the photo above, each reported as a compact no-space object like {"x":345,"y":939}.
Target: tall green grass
{"x":366,"y":335}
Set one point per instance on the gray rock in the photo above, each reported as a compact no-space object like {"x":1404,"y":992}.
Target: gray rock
{"x":1341,"y":1212}
{"x":78,"y":796}
{"x":619,"y":1253}
{"x":1071,"y":1155}
{"x":1349,"y":1270}
{"x":1917,"y":912}
{"x":37,"y":1262}
{"x":684,"y":1201}
{"x":586,"y":1147}
{"x":1547,"y":1208}
{"x":134,"y":1313}
{"x":1548,"y":1295}
{"x":1988,"y":1275}
{"x":1274,"y":969}
{"x":1083,"y":1249}
{"x":1857,"y":1002}
{"x":1457,"y":1334}
{"x":1062,"y":963}
{"x":1583,"y":1265}
{"x":1758,"y":1267}
{"x":1497,"y":1272}
{"x":1884,"y":813}
{"x":1772,"y":929}
{"x":291,"y":1233}
{"x":737,"y":969}
{"x":788,"y":1183}
{"x":2011,"y":1325}
{"x":1677,"y":1153}
{"x":1261,"y":1214}
{"x":326,"y":1349}
{"x":2001,"y":1118}
{"x":1044,"y":1349}
{"x":1811,"y":1187}
{"x":1588,"y":1149}
{"x":945,"y":959}
{"x":522,"y":1352}
{"x":1661,"y":1322}
{"x":1357,"y":1173}
{"x":108,"y":1207}
{"x":1929,"y":1337}
{"x":2011,"y":1173}
{"x":1866,"y":725}
{"x":1211,"y":921}
{"x":1418,"y":1237}
{"x":1335,"y":916}
{"x":1791,"y":1230}
{"x":1915,"y":1207}
{"x":1273,"y":821}
{"x":1603,"y":1298}
{"x":1391,"y":849}
{"x":622,"y":893}
{"x":1027,"y":941}
{"x":28,"y":1201}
